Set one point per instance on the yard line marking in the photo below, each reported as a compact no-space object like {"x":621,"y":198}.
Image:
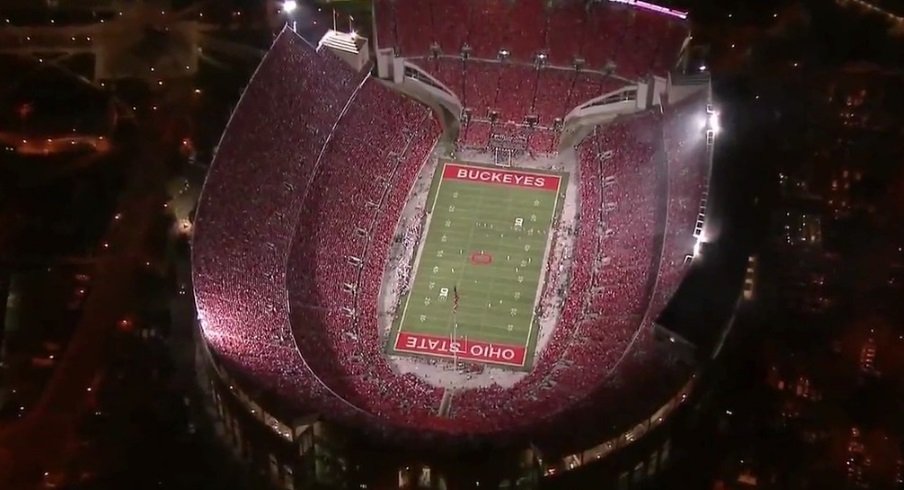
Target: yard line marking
{"x":451,"y":318}
{"x":492,"y":281}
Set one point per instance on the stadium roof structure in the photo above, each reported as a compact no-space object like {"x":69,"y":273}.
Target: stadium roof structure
{"x":292,"y":237}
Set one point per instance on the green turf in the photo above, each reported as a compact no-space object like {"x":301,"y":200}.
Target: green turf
{"x":496,"y":301}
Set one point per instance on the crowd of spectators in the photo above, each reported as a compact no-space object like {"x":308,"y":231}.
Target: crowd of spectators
{"x":653,"y":370}
{"x":248,"y":206}
{"x":248,"y":248}
{"x":515,"y":96}
{"x":517,"y":139}
{"x":588,"y":85}
{"x":413,"y":25}
{"x":335,"y":267}
{"x":632,"y":40}
{"x":300,"y":209}
{"x":553,"y":95}
{"x":476,"y":134}
{"x":450,"y":72}
{"x":508,"y":92}
{"x":542,"y":141}
{"x":481,"y":84}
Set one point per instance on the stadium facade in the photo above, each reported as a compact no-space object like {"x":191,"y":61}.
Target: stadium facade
{"x":311,"y":228}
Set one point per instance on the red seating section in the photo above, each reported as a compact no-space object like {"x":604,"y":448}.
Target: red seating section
{"x":451,"y":15}
{"x":567,"y":29}
{"x":485,"y":32}
{"x":516,"y":91}
{"x":515,"y":95}
{"x":553,"y":93}
{"x":476,"y":134}
{"x":384,"y":20}
{"x":247,"y":214}
{"x":635,"y":40}
{"x":449,"y":71}
{"x":481,"y":84}
{"x":414,"y":26}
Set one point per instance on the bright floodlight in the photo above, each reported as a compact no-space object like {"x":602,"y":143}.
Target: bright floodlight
{"x":702,"y":67}
{"x":713,"y":121}
{"x":289,"y":6}
{"x":697,"y":248}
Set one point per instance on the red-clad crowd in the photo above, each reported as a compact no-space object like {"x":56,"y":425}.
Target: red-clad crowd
{"x":341,"y":245}
{"x":249,"y":207}
{"x":484,"y":135}
{"x":635,"y":41}
{"x":513,"y":92}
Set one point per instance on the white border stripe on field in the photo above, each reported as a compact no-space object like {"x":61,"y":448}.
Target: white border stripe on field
{"x":543,"y":278}
{"x":417,"y":258}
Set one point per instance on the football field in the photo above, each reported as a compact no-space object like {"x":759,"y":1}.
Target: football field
{"x":478,"y":272}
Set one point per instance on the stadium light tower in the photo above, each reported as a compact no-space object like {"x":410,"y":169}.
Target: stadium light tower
{"x":289,"y":7}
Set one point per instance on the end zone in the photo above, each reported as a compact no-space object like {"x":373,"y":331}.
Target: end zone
{"x":484,"y":175}
{"x":465,"y":349}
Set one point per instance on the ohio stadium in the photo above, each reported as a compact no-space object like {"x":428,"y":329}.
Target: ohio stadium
{"x":465,"y":231}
